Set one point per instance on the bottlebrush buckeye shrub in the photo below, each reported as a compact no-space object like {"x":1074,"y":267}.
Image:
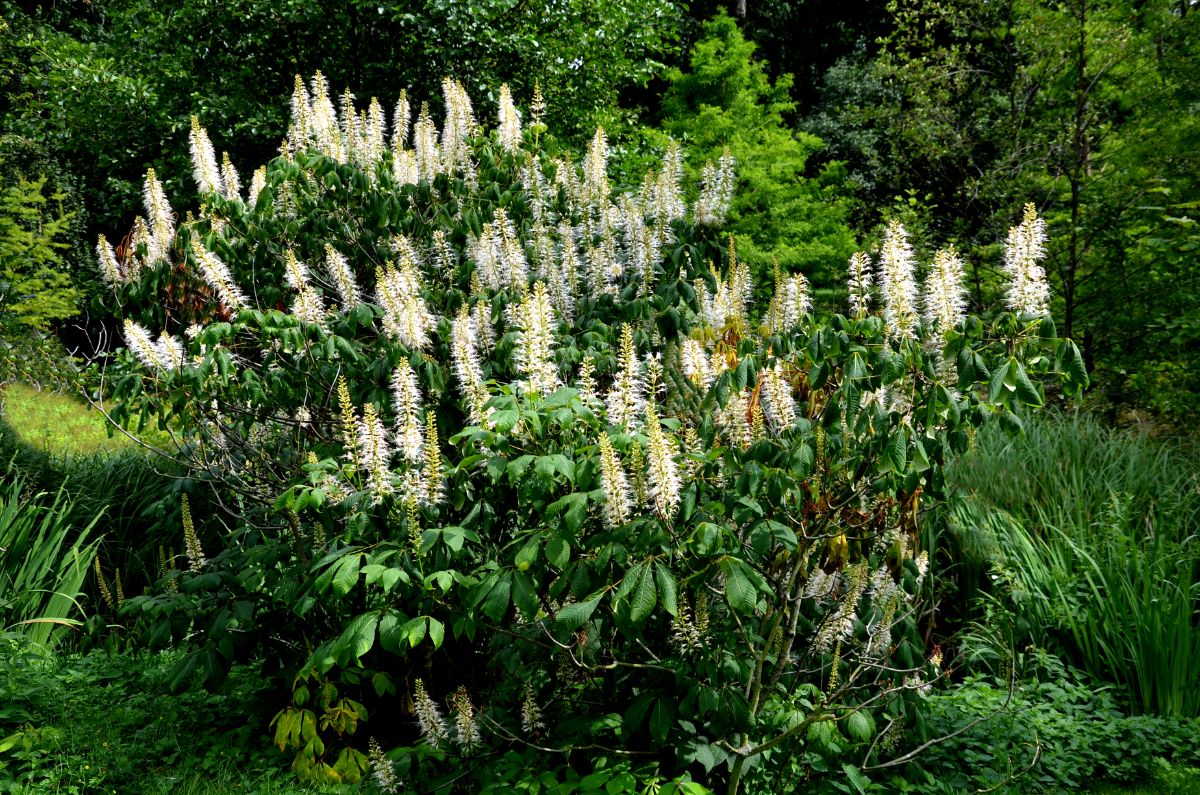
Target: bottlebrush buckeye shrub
{"x":508,"y":455}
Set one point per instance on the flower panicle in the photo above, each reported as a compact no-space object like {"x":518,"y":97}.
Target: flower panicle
{"x":195,"y":555}
{"x":406,"y":402}
{"x":734,"y":420}
{"x":695,"y":363}
{"x":230,"y":182}
{"x":300,"y":124}
{"x":425,"y":148}
{"x":897,"y":268}
{"x":1028,"y":292}
{"x":465,"y":359}
{"x":347,"y":421}
{"x":779,"y":406}
{"x":627,"y":398}
{"x":204,"y":161}
{"x":372,"y":443}
{"x":148,"y":352}
{"x":595,"y":168}
{"x":217,"y":275}
{"x":665,"y":485}
{"x":433,"y":479}
{"x":406,"y":317}
{"x":433,"y":726}
{"x":381,"y":768}
{"x":105,"y":591}
{"x":258,"y":181}
{"x":537,"y":105}
{"x":110,"y":269}
{"x":509,"y":130}
{"x":343,"y":277}
{"x":945,"y":298}
{"x":859,"y":283}
{"x":466,"y":726}
{"x":717,"y":182}
{"x":401,"y":120}
{"x":535,"y":321}
{"x":838,"y":626}
{"x":374,"y":135}
{"x":617,"y":500}
{"x":792,"y":301}
{"x":162,"y":221}
{"x":531,"y":714}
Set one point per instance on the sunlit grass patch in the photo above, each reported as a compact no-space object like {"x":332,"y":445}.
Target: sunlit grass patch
{"x":61,"y":424}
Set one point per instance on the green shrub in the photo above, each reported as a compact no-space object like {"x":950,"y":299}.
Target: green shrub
{"x":427,"y":504}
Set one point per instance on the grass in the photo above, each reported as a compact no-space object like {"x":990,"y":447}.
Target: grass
{"x":1093,"y":537}
{"x":44,"y":561}
{"x":57,"y":424}
{"x":63,"y":426}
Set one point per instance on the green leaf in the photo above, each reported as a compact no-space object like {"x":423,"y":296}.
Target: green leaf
{"x":920,"y":459}
{"x":855,"y":367}
{"x":1027,"y":393}
{"x":573,"y":509}
{"x":667,"y":589}
{"x":1072,"y":365}
{"x":437,"y":632}
{"x":895,"y":455}
{"x":631,"y":721}
{"x":524,"y":594}
{"x":575,"y":615}
{"x":527,"y":554}
{"x":496,"y":603}
{"x":642,"y":602}
{"x":558,"y":551}
{"x":415,"y":630}
{"x":359,"y":637}
{"x":739,"y":589}
{"x":661,"y":718}
{"x":391,"y":638}
{"x":345,"y":575}
{"x":860,"y":727}
{"x":856,"y":778}
{"x":996,"y":387}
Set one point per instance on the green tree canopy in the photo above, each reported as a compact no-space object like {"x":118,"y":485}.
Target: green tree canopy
{"x":780,"y":212}
{"x":35,"y":286}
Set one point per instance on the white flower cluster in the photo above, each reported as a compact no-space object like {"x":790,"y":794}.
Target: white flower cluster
{"x":1028,"y":293}
{"x":398,"y":290}
{"x":163,"y":355}
{"x":943,"y":298}
{"x":897,"y":279}
{"x":791,"y":301}
{"x":218,"y":277}
{"x":534,"y":320}
{"x":627,"y":398}
{"x":499,"y":254}
{"x":716,"y":191}
{"x":663,"y":472}
{"x":204,"y":161}
{"x":508,"y":133}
